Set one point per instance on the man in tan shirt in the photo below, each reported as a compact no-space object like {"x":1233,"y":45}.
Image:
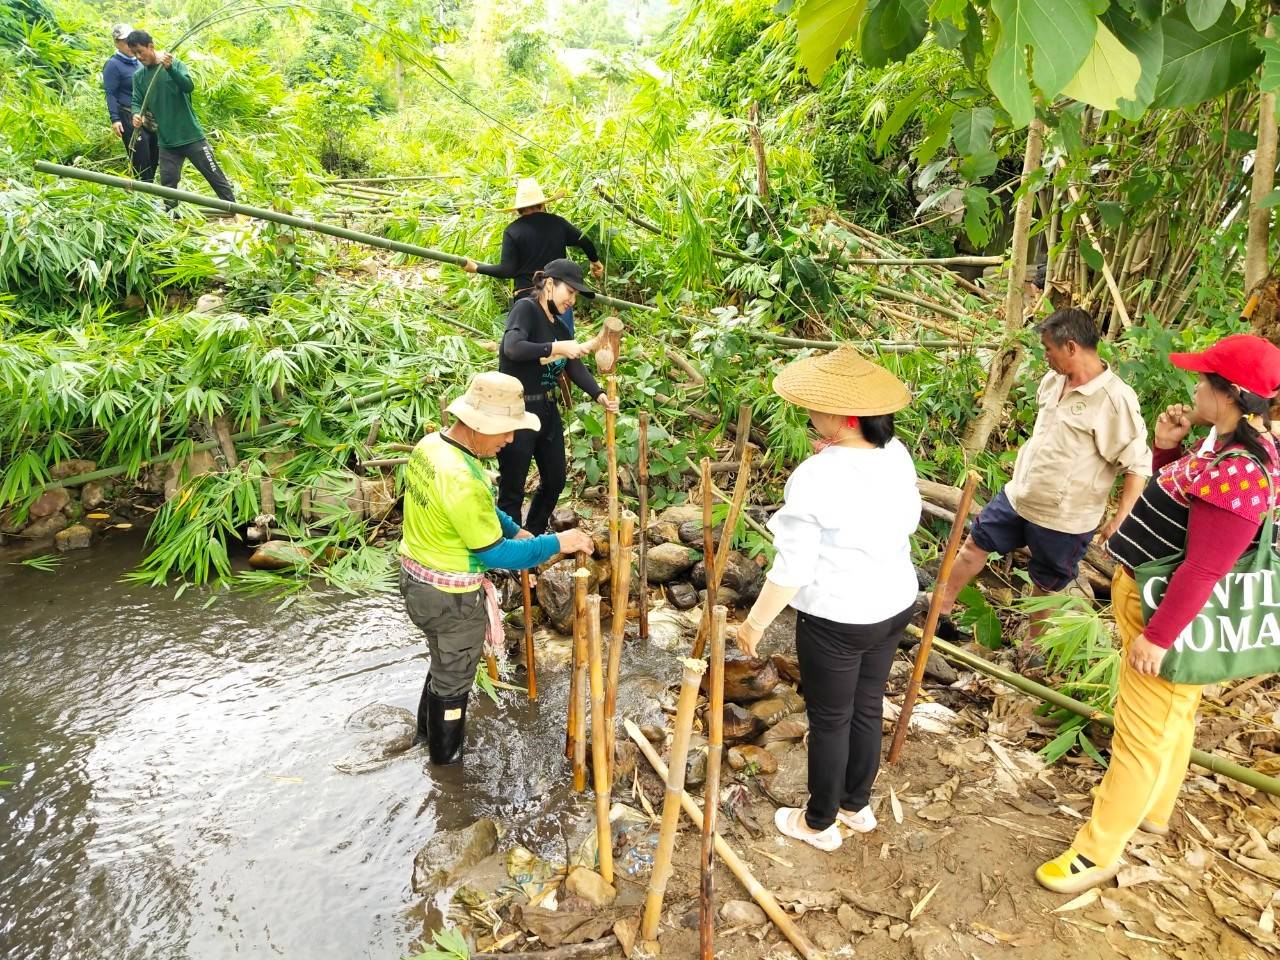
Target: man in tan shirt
{"x":1088,"y":430}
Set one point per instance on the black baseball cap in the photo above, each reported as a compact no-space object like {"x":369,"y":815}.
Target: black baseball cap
{"x":567,"y":271}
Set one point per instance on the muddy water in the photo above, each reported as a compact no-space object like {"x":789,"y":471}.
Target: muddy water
{"x":175,"y":794}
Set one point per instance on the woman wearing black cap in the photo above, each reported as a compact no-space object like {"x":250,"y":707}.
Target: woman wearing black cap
{"x":537,"y":345}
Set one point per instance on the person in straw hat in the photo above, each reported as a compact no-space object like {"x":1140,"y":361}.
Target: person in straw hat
{"x":533,"y":240}
{"x":844,"y":563}
{"x":453,"y":532}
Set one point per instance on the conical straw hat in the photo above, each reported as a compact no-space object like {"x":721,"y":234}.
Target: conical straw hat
{"x":529,"y":194}
{"x":841,"y":382}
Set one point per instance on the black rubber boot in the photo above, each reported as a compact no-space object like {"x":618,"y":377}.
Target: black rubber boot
{"x":446,"y":727}
{"x":424,"y":713}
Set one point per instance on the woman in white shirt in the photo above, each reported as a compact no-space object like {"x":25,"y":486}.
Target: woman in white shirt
{"x":844,"y":562}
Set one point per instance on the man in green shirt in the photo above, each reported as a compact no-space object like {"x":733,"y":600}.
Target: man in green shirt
{"x":452,"y":533}
{"x":162,"y":101}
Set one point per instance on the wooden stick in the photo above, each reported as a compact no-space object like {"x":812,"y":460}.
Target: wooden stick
{"x":611,"y":450}
{"x":743,"y":431}
{"x":931,"y":621}
{"x":643,"y":470}
{"x":579,"y":691}
{"x":759,"y":894}
{"x":726,"y":541}
{"x":711,"y":799}
{"x":491,"y":664}
{"x":626,"y":532}
{"x":571,"y":733}
{"x":599,"y":758}
{"x":709,"y":559}
{"x":530,"y":655}
{"x":689,"y":683}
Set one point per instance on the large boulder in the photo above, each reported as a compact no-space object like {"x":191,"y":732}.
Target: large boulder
{"x":71,"y":468}
{"x":669,"y":561}
{"x":666,"y":527}
{"x":746,"y":679}
{"x":451,"y":852}
{"x":555,"y":595}
{"x":691,"y":533}
{"x":740,"y":574}
{"x":75,"y":537}
{"x":45,"y":527}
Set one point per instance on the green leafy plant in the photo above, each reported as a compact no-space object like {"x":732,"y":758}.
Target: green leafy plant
{"x":449,"y":945}
{"x":45,"y":562}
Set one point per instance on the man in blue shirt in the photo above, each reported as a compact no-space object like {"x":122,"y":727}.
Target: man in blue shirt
{"x":117,"y":84}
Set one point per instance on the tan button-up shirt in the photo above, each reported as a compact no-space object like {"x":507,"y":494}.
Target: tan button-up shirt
{"x":1063,"y":476}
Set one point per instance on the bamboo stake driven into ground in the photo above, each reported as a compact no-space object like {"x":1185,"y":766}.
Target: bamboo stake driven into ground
{"x":530,"y":654}
{"x":626,"y":533}
{"x":578,"y":691}
{"x":773,"y":910}
{"x":711,"y":798}
{"x":931,"y":621}
{"x":643,"y":559}
{"x":740,"y":487}
{"x":710,"y":561}
{"x":599,"y":758}
{"x":611,"y":451}
{"x":661,"y":874}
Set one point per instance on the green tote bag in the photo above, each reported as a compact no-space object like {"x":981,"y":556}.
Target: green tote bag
{"x":1237,"y":634}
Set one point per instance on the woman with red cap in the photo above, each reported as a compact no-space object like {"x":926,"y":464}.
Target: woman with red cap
{"x":1208,"y":503}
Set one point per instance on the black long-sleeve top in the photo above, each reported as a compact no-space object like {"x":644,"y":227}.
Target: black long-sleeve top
{"x":527,"y":339}
{"x":533,"y":241}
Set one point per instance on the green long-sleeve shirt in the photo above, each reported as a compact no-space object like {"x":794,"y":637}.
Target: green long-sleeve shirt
{"x":169,"y":104}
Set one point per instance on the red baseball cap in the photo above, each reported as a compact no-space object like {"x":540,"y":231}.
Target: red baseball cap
{"x":1249,"y":362}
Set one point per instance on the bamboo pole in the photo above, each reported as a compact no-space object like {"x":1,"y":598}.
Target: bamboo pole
{"x":742,"y":482}
{"x":83,"y":478}
{"x":711,"y":798}
{"x":643,"y":470}
{"x":931,"y":621}
{"x":689,"y":683}
{"x":530,"y":655}
{"x":611,"y":452}
{"x":626,"y":533}
{"x":599,"y":758}
{"x":580,"y":578}
{"x":773,"y":910}
{"x":710,"y":561}
{"x":491,"y":665}
{"x":578,"y":625}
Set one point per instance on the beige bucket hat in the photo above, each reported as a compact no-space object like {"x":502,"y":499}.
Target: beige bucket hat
{"x":493,"y":404}
{"x":841,"y":382}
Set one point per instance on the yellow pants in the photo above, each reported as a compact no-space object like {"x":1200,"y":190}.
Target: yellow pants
{"x":1151,"y":747}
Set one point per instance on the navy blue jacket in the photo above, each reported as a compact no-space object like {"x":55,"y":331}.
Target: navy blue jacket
{"x":117,"y":83}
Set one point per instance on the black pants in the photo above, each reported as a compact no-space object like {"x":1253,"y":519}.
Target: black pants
{"x":544,"y":447}
{"x":844,"y":668}
{"x":201,"y":156}
{"x":140,"y":148}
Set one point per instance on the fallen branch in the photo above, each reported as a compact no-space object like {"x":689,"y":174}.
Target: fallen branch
{"x":572,"y":951}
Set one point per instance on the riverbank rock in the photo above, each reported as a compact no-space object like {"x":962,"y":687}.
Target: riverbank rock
{"x":750,"y":756}
{"x":49,"y":503}
{"x":76,"y":537}
{"x":788,"y":666}
{"x":667,"y":561}
{"x":736,"y":912}
{"x":746,"y":679}
{"x":771,"y":710}
{"x":682,"y":595}
{"x":741,"y":575}
{"x":179,"y":472}
{"x":666,"y":527}
{"x":794,"y":727}
{"x":670,"y":629}
{"x":562,"y":519}
{"x":691,"y":533}
{"x":935,"y":667}
{"x":555,"y":595}
{"x":71,"y":468}
{"x":279,"y":555}
{"x":95,"y":493}
{"x":739,"y":725}
{"x":46,"y":527}
{"x":725,"y":597}
{"x":590,"y":886}
{"x":450,"y":852}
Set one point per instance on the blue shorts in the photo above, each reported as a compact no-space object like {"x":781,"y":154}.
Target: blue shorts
{"x":1055,"y":556}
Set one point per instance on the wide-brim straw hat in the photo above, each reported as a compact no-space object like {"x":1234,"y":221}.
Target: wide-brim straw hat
{"x":494,"y":404}
{"x":529,"y":193}
{"x":842,"y":382}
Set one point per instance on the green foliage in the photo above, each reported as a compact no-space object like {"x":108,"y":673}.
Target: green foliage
{"x":45,"y":562}
{"x":449,"y":945}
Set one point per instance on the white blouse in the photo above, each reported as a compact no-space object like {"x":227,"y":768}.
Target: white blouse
{"x":843,"y":534}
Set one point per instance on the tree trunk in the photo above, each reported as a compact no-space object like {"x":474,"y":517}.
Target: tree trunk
{"x":1004,"y":366}
{"x":1257,"y":246}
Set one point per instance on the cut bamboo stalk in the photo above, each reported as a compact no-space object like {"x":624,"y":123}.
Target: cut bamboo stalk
{"x":222,"y":431}
{"x":643,"y":470}
{"x":710,"y":561}
{"x":599,"y":758}
{"x":726,"y":541}
{"x":578,"y":626}
{"x":530,"y":655}
{"x":491,"y":664}
{"x":743,"y":431}
{"x":611,"y":451}
{"x":626,"y":533}
{"x":711,"y":799}
{"x":689,"y":683}
{"x":580,"y":578}
{"x":773,"y":910}
{"x":931,"y":621}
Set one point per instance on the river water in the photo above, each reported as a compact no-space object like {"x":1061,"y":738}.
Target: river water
{"x":175,"y":794}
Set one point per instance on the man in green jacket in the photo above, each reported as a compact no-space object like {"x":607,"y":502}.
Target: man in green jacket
{"x":162,"y":101}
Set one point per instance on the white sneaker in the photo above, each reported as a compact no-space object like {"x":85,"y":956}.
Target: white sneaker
{"x":790,"y":821}
{"x":864,"y":821}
